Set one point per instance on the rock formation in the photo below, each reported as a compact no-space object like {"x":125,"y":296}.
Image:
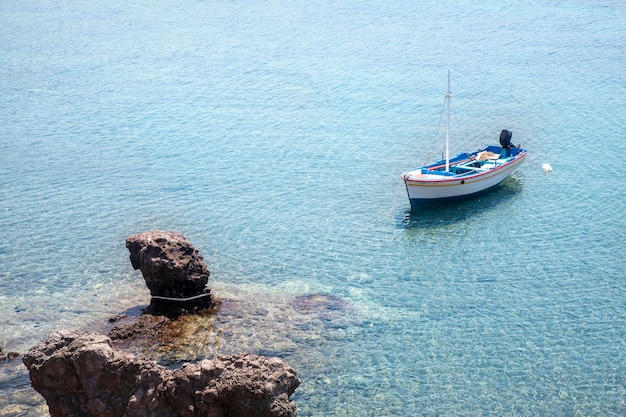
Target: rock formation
{"x":7,"y":356}
{"x":173,"y":269}
{"x":176,"y":276}
{"x":88,"y":375}
{"x":83,"y":375}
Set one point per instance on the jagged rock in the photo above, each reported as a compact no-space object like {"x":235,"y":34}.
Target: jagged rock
{"x":82,"y":375}
{"x":7,"y":356}
{"x":172,"y":268}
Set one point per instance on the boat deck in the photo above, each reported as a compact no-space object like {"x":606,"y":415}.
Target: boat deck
{"x":459,"y":169}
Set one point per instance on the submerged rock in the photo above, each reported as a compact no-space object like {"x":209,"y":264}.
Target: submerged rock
{"x":169,"y":340}
{"x":174,"y":270}
{"x":7,"y":356}
{"x":317,"y":302}
{"x":147,"y":327}
{"x":82,"y":374}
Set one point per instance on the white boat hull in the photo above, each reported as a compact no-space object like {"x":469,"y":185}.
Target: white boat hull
{"x":432,"y":187}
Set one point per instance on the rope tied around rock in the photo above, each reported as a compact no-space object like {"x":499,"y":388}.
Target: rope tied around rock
{"x":182,"y":300}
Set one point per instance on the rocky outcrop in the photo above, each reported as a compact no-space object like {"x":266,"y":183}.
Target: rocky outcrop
{"x":176,"y":276}
{"x":173,"y":269}
{"x":89,"y":374}
{"x":82,"y":374}
{"x":7,"y":356}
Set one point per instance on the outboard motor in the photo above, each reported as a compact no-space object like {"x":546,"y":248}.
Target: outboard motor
{"x":505,"y":139}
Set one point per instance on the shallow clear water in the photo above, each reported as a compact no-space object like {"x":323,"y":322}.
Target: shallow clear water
{"x":273,"y":136}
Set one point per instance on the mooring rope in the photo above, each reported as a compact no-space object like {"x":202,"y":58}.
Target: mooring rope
{"x":195,"y":297}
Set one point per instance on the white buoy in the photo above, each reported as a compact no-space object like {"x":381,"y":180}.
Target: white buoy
{"x":546,"y":168}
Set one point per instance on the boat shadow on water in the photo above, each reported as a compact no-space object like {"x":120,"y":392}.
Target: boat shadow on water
{"x":446,"y":213}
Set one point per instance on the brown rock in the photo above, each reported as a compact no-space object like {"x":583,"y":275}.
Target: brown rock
{"x":81,"y":374}
{"x":7,"y":356}
{"x":147,"y":327}
{"x":173,"y":269}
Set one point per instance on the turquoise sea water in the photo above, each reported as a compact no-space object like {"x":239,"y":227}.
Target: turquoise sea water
{"x":272,"y":135}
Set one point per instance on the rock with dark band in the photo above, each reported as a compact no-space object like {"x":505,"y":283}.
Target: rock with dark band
{"x":173,"y":269}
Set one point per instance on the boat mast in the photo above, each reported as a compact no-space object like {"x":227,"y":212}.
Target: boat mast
{"x":448,"y":97}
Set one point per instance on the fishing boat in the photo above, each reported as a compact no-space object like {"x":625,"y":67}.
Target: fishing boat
{"x":466,"y":174}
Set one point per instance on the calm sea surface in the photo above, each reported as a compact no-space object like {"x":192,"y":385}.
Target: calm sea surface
{"x":272,"y":135}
